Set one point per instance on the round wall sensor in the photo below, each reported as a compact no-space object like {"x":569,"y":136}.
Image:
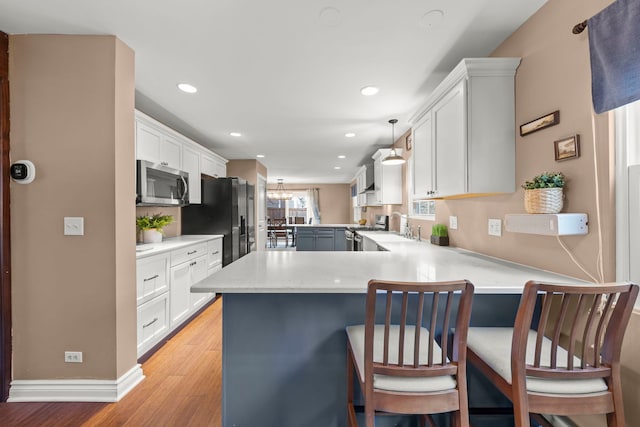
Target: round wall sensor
{"x":23,"y":171}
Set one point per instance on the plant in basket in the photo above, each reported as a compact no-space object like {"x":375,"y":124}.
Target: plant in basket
{"x":544,"y":193}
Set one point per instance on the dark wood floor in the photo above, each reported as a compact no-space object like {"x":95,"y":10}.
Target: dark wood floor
{"x":182,"y":387}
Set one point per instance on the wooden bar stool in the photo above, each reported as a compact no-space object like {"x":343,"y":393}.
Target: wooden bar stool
{"x":401,"y":367}
{"x":571,"y":364}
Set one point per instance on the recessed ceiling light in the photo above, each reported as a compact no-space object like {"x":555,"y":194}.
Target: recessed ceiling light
{"x":431,"y":18}
{"x":342,"y":156}
{"x":337,"y":167}
{"x":369,"y":90}
{"x":330,"y":17}
{"x":259,"y":156}
{"x":235,"y":134}
{"x":186,"y":87}
{"x":350,"y":134}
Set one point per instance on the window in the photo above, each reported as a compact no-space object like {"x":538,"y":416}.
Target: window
{"x":423,"y":208}
{"x":296,"y":207}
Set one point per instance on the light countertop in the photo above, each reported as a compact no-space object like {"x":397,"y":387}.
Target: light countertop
{"x":349,"y":272}
{"x":144,"y":250}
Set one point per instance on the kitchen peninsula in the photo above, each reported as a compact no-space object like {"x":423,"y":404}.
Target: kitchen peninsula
{"x":284,"y":314}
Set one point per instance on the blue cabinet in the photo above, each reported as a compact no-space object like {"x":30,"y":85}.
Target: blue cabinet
{"x":321,"y":239}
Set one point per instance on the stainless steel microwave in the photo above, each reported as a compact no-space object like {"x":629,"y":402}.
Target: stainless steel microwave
{"x":159,"y":185}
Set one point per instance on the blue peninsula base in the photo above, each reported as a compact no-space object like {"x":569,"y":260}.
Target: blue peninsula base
{"x":284,"y":357}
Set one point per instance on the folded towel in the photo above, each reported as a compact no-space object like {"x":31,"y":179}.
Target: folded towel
{"x":614,"y":42}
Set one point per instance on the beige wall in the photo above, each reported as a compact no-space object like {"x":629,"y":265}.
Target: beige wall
{"x":334,"y":201}
{"x":248,"y":170}
{"x":72,"y":101}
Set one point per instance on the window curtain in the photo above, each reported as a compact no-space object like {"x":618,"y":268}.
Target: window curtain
{"x":313,"y":205}
{"x":615,"y":55}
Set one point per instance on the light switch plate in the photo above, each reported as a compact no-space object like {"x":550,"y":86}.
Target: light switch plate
{"x":453,"y":222}
{"x":495,"y":227}
{"x":74,"y":226}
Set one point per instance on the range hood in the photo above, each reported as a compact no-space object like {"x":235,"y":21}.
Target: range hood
{"x":369,"y":186}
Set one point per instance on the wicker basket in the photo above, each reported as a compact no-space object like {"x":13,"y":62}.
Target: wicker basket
{"x":543,"y":200}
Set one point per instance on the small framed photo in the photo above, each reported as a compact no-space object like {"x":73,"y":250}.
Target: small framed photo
{"x":408,"y":141}
{"x":540,"y":123}
{"x":567,"y":148}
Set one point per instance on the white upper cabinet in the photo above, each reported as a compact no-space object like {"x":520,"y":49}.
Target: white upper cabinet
{"x":213,"y":166}
{"x":158,"y":143}
{"x":155,"y":146}
{"x":387,"y":180}
{"x":191,"y":165}
{"x":464,"y":135}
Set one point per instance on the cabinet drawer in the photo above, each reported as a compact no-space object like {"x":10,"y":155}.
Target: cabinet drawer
{"x":153,"y":322}
{"x":214,"y":252}
{"x":188,"y":253}
{"x":152,"y":277}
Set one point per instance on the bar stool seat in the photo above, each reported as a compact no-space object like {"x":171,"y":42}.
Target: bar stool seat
{"x":355,"y":335}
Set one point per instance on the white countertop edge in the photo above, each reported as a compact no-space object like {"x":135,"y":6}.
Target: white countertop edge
{"x":172,"y":243}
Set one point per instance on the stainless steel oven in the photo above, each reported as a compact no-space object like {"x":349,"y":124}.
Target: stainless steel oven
{"x":357,"y":242}
{"x":349,"y":235}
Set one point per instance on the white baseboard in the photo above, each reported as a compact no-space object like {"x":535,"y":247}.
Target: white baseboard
{"x":75,"y":390}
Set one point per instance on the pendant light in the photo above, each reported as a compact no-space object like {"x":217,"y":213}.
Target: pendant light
{"x":393,"y":158}
{"x":280,"y":193}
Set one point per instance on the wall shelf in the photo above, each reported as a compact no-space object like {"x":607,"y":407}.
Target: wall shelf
{"x":548,"y":224}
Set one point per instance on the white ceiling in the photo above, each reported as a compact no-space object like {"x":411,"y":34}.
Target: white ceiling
{"x":285,"y":73}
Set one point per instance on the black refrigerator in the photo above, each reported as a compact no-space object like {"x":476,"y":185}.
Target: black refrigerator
{"x":223,"y":210}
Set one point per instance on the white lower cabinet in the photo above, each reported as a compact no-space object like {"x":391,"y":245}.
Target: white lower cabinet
{"x":164,"y":295}
{"x":153,"y":322}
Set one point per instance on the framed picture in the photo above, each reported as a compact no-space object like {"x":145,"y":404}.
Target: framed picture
{"x":540,"y":123}
{"x":567,"y":148}
{"x":408,"y":142}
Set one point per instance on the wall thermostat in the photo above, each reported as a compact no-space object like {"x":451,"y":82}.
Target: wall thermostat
{"x":23,"y":171}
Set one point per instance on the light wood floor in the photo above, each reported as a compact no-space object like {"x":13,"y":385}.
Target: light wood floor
{"x":182,"y":387}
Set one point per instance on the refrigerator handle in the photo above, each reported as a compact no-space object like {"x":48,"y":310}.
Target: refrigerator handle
{"x":242,"y":225}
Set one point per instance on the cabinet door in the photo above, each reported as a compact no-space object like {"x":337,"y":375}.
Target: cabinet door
{"x":156,"y":146}
{"x":325,"y":240}
{"x":171,"y":152}
{"x":214,"y":253}
{"x":148,"y":140}
{"x":153,"y":322}
{"x":423,"y":158}
{"x":191,"y":165}
{"x":449,"y":120}
{"x":152,"y":278}
{"x":305,"y":240}
{"x":199,"y":271}
{"x":180,"y":290}
{"x":340,"y":240}
{"x":377,"y":181}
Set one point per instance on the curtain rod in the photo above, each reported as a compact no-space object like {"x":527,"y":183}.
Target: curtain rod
{"x":578,"y":28}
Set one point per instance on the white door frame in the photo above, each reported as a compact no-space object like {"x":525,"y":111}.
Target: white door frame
{"x":261,"y":217}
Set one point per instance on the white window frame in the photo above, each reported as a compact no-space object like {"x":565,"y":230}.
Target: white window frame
{"x":627,"y":135}
{"x":423,"y":204}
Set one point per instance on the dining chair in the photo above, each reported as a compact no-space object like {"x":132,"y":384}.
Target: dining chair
{"x":562,"y":358}
{"x":403,"y":355}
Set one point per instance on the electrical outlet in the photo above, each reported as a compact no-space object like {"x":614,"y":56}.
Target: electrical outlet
{"x":495,"y":227}
{"x":73,"y":356}
{"x":453,"y":222}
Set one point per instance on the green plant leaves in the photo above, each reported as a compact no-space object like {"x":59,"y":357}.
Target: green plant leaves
{"x":157,"y":221}
{"x":545,"y":180}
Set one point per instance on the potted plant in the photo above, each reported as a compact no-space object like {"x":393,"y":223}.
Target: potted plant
{"x":152,"y":225}
{"x":543,"y":193}
{"x":439,"y":235}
